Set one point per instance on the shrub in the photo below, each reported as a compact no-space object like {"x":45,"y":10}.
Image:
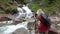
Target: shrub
{"x":11,"y":11}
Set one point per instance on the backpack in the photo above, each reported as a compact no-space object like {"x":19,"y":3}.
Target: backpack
{"x":46,"y":20}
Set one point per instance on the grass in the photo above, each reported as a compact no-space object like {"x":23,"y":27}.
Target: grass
{"x":6,"y":5}
{"x":34,"y":7}
{"x":2,"y":12}
{"x":47,"y":8}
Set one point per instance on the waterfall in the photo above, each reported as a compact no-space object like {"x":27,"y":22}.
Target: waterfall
{"x":29,"y":14}
{"x":20,"y":13}
{"x":9,"y":29}
{"x":24,"y":12}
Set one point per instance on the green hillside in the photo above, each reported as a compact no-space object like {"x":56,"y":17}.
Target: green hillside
{"x":49,"y":6}
{"x":7,"y":6}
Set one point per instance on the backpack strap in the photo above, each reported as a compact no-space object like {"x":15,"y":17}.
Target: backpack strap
{"x":46,"y":20}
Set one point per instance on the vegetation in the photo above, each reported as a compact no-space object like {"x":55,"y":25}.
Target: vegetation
{"x":6,"y":6}
{"x":49,"y":6}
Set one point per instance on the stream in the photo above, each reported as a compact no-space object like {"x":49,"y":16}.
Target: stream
{"x":22,"y":12}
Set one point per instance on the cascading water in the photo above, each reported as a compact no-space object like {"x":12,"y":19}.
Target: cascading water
{"x":24,"y":12}
{"x":20,"y":13}
{"x":29,"y":14}
{"x":11,"y":28}
{"x":8,"y":29}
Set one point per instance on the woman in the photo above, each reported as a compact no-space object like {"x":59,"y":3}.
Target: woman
{"x":43,"y":27}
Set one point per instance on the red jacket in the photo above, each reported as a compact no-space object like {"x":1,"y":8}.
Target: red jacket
{"x":41,"y":27}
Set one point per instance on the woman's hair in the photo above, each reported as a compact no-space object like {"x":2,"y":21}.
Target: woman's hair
{"x":39,"y":12}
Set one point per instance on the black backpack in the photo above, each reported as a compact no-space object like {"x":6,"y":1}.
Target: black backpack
{"x":46,"y":20}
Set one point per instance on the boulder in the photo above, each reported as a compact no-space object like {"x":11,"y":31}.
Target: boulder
{"x":21,"y":31}
{"x":52,"y":32}
{"x":5,"y":19}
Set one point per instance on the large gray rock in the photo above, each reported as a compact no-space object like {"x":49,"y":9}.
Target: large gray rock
{"x":21,"y":31}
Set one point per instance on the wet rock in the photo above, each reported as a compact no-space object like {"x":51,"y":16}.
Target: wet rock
{"x":5,"y":19}
{"x":52,"y":32}
{"x":21,"y":31}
